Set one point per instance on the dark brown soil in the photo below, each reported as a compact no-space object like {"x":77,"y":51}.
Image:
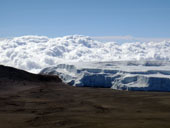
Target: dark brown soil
{"x":52,"y":104}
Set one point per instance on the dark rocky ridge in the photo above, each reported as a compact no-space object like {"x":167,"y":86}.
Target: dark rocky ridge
{"x":37,"y":101}
{"x":12,"y":74}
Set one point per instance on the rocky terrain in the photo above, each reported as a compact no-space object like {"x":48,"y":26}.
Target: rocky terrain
{"x":37,"y":101}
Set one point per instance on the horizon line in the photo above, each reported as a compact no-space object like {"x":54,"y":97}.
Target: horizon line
{"x":116,"y":38}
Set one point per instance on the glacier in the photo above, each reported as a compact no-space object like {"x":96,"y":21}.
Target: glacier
{"x":119,"y":75}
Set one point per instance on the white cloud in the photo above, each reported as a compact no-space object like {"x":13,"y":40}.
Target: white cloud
{"x":128,"y":38}
{"x":34,"y":53}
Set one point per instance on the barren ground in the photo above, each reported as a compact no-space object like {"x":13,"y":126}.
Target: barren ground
{"x":51,"y":105}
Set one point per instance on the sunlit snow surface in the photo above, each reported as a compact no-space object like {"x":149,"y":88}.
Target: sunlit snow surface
{"x":82,"y":61}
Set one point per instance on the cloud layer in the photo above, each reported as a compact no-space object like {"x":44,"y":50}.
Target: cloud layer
{"x":128,"y":38}
{"x":33,"y":53}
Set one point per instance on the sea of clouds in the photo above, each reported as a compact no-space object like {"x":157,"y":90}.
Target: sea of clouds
{"x":33,"y":53}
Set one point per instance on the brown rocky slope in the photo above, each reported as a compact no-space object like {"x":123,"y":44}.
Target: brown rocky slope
{"x":36,"y":101}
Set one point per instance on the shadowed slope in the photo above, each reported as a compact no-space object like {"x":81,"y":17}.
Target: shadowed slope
{"x":9,"y":73}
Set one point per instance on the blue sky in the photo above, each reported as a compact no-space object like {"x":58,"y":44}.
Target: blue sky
{"x":101,"y":18}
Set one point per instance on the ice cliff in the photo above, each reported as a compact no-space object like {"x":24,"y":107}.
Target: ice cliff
{"x":120,"y":75}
